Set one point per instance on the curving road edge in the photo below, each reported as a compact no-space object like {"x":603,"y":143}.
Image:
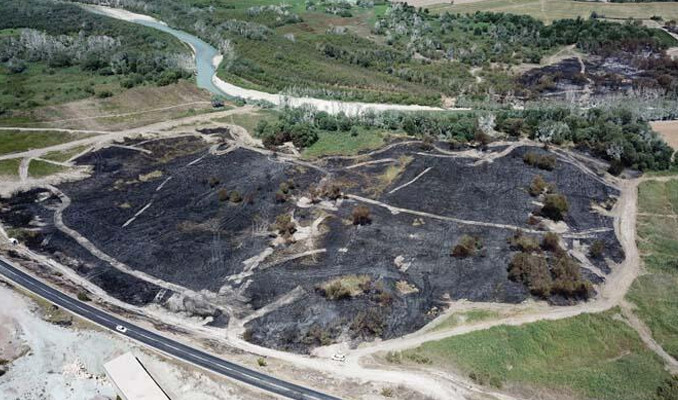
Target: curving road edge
{"x":165,"y":345}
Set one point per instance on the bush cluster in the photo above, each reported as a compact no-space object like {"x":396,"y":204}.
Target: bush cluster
{"x":541,"y":161}
{"x":546,"y":269}
{"x":467,"y":246}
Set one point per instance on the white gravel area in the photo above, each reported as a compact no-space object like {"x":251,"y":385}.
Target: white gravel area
{"x":61,"y":363}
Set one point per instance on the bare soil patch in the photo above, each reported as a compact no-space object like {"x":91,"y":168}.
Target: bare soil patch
{"x":668,"y":130}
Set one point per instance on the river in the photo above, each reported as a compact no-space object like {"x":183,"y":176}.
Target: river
{"x":208,"y":58}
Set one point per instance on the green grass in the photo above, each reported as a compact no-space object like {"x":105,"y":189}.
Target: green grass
{"x":469,"y":317}
{"x":550,"y":10}
{"x":10,"y":167}
{"x":9,"y":32}
{"x":63,"y":156}
{"x":656,"y":296}
{"x":41,"y":169}
{"x":592,"y":355}
{"x":249,"y":121}
{"x":40,"y":85}
{"x":342,"y":143}
{"x":18,"y":141}
{"x":656,"y":292}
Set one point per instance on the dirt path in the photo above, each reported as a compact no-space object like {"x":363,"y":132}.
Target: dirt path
{"x":397,"y":210}
{"x":646,"y":336}
{"x":23,"y":169}
{"x":103,"y":138}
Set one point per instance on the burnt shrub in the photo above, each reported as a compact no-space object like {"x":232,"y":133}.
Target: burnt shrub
{"x":597,"y":248}
{"x":467,"y":246}
{"x":555,"y":207}
{"x":522,"y":242}
{"x":222,"y":194}
{"x":361,"y":215}
{"x":368,"y":323}
{"x":532,"y":270}
{"x":567,"y":280}
{"x":213,"y":182}
{"x":551,"y":242}
{"x":280,"y":196}
{"x":332,"y":191}
{"x":539,"y":186}
{"x":284,"y":224}
{"x":235,"y":197}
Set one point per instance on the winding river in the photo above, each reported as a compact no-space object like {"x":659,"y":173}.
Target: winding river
{"x":207,"y":60}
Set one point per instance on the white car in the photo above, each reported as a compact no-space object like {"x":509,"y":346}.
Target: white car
{"x":338,"y":357}
{"x":121,"y":328}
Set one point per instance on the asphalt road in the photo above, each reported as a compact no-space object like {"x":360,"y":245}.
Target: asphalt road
{"x":171,"y":347}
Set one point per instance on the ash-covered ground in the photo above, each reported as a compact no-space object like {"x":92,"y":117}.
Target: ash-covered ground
{"x":240,"y":234}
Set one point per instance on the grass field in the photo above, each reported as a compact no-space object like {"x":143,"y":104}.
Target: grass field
{"x":17,"y":141}
{"x":466,"y":318}
{"x":249,"y":121}
{"x":550,"y":10}
{"x":588,"y":356}
{"x":40,"y":85}
{"x":63,"y":156}
{"x":656,"y":292}
{"x":10,"y":167}
{"x":40,"y":169}
{"x":342,"y":143}
{"x":128,"y":109}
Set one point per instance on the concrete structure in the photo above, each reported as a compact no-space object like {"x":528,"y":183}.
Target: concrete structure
{"x":132,"y":380}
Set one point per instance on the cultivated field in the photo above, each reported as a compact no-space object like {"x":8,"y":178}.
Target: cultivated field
{"x":550,"y":10}
{"x":668,"y":130}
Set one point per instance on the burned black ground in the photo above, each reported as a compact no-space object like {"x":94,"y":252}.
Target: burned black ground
{"x":164,"y":214}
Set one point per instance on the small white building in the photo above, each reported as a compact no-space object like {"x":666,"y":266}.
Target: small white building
{"x":132,"y":380}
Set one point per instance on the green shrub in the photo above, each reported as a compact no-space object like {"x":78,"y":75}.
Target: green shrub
{"x":235,"y":197}
{"x":551,"y":242}
{"x":555,"y":207}
{"x":524,"y":243}
{"x":467,"y":246}
{"x":546,"y":162}
{"x":539,"y":186}
{"x":532,"y":270}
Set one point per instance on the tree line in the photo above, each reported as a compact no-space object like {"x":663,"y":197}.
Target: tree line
{"x":64,"y":35}
{"x":617,"y":135}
